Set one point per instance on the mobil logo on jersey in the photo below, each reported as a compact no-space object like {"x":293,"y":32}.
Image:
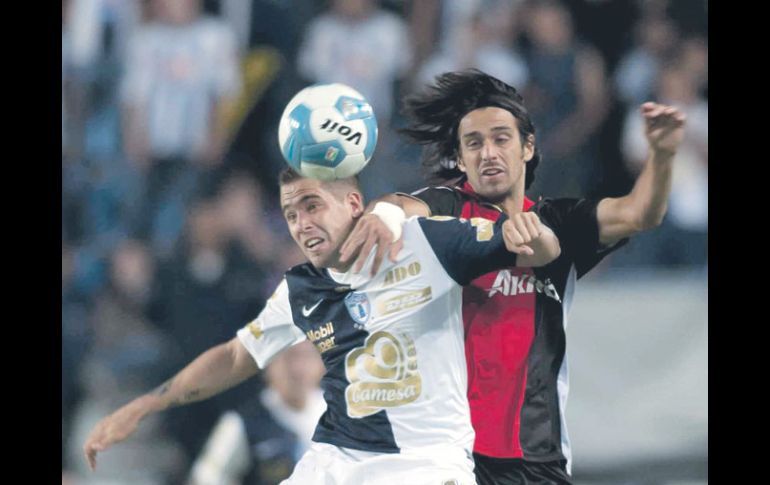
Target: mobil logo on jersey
{"x":382,"y":374}
{"x":358,"y":307}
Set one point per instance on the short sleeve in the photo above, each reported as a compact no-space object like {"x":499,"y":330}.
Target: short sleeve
{"x":273,"y":330}
{"x":575,"y":224}
{"x":442,"y":201}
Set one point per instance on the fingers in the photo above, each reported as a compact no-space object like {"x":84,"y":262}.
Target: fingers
{"x":511,"y":234}
{"x":520,"y":231}
{"x":378,"y":255}
{"x":514,"y":241}
{"x":351,"y":244}
{"x":660,"y":113}
{"x":521,"y":227}
{"x":524,"y":249}
{"x":90,"y":449}
{"x":395,"y":248}
{"x":369,"y":231}
{"x":533,"y":227}
{"x":366,"y":248}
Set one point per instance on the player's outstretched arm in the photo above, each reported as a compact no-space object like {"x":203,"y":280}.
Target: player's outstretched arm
{"x":646,"y":205}
{"x":214,"y":371}
{"x":380,"y":226}
{"x":533,"y":242}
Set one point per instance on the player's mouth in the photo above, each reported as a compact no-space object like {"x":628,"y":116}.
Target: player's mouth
{"x":491,"y":172}
{"x":314,"y":244}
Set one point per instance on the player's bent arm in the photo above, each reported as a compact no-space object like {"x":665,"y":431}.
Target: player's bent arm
{"x":380,"y":227}
{"x":643,"y":208}
{"x":211,"y":373}
{"x":545,"y":250}
{"x":534,"y":243}
{"x":214,"y":371}
{"x":646,"y":205}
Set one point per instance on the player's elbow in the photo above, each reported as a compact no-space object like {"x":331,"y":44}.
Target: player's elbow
{"x":649,"y":220}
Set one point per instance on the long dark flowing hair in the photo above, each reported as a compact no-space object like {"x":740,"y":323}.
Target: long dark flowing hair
{"x":434,"y":116}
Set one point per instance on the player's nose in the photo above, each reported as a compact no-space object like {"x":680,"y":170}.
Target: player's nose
{"x":488,"y":151}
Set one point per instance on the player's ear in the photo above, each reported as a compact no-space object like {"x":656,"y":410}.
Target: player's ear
{"x":356,"y":203}
{"x":460,"y":162}
{"x":529,"y":148}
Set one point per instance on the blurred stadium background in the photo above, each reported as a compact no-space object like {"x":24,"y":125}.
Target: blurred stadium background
{"x":171,"y":237}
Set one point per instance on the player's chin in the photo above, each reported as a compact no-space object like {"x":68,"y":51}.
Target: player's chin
{"x":318,"y":259}
{"x":494,"y":190}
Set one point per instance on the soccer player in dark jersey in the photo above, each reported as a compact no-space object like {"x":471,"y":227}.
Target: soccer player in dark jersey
{"x":480,"y":146}
{"x":392,"y":344}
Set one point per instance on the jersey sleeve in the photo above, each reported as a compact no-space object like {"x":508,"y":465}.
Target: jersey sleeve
{"x":575,"y":224}
{"x":465,"y":248}
{"x":440,"y":200}
{"x":273,"y":330}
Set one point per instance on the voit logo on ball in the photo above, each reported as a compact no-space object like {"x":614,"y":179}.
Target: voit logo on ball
{"x":327,"y":132}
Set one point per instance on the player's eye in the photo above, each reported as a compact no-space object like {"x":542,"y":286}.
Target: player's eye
{"x":291,"y":217}
{"x":473,"y":144}
{"x":502,"y":140}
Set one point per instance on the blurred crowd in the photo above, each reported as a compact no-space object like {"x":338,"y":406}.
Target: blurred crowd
{"x":171,"y":234}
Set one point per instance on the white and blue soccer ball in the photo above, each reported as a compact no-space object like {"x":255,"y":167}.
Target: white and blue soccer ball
{"x":328,"y":132}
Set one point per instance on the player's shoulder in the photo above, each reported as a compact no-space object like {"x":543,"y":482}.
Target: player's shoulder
{"x":430,"y":189}
{"x":565,"y":209}
{"x":441,"y":199}
{"x":556,"y":203}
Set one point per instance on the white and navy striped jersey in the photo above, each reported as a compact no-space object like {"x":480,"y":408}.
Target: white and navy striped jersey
{"x":393,"y":344}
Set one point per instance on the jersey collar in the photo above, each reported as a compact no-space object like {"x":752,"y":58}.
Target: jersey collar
{"x":468,"y":189}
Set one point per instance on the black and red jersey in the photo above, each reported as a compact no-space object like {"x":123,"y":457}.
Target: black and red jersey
{"x":515,"y":321}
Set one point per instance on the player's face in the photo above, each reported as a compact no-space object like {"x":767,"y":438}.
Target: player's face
{"x":491,"y":152}
{"x":318,"y":220}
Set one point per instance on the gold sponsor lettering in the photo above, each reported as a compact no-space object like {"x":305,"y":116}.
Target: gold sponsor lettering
{"x":325,"y":345}
{"x":326,"y":330}
{"x":382,"y":374}
{"x":400,"y":272}
{"x":485,"y":229}
{"x":319,"y":337}
{"x":256,"y":329}
{"x":402,"y":302}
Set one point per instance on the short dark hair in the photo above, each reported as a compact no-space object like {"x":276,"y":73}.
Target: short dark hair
{"x":434,"y":116}
{"x":289,"y":175}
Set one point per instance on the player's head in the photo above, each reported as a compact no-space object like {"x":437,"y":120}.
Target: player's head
{"x":474,"y":125}
{"x":320,"y":215}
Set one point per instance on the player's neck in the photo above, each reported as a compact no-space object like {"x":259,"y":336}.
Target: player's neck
{"x":513,"y":204}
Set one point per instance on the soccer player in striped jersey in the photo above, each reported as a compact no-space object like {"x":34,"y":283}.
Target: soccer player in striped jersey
{"x":480,"y":145}
{"x":392,"y":344}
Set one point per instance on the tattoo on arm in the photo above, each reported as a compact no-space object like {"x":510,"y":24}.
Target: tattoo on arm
{"x":163,"y":388}
{"x":188,"y":397}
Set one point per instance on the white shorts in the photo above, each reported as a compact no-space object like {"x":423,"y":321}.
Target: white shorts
{"x":325,"y":464}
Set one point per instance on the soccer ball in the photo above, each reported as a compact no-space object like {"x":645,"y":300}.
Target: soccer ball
{"x":327,"y":132}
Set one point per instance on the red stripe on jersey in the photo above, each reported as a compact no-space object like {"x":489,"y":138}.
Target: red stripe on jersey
{"x":499,"y":319}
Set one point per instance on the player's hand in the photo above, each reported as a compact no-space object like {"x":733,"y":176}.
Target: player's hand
{"x":113,"y":429}
{"x":369,"y":231}
{"x":521,"y":232}
{"x":663,"y":126}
